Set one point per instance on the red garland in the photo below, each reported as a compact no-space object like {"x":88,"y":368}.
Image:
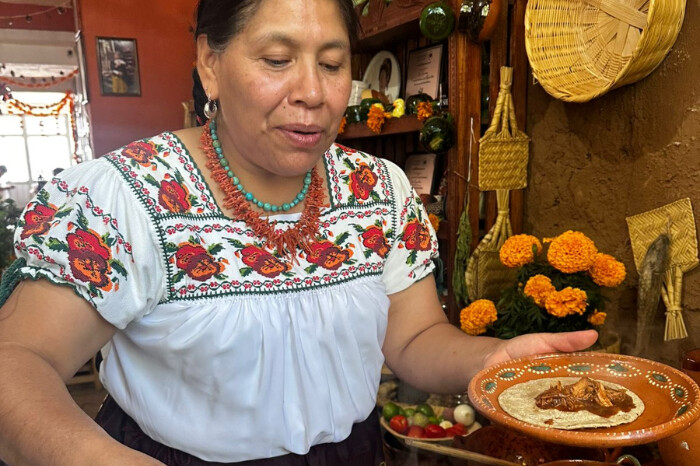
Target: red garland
{"x":302,"y":235}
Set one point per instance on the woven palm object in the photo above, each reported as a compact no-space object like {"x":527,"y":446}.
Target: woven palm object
{"x":676,"y":220}
{"x":503,"y":149}
{"x":486,"y":276}
{"x":581,"y":49}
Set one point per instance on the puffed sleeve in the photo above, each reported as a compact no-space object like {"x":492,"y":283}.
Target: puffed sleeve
{"x":85,"y":230}
{"x":413,"y":244}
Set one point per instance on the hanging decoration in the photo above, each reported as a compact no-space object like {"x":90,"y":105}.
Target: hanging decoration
{"x":16,"y":107}
{"x":37,"y":82}
{"x":29,"y":17}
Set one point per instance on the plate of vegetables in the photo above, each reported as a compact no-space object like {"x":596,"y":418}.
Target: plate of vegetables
{"x":427,"y":422}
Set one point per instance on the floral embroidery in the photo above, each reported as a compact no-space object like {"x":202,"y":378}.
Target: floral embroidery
{"x":416,"y":236}
{"x":197,"y":262}
{"x":260,"y":260}
{"x":362,"y":182}
{"x":144,"y":153}
{"x":329,"y":255}
{"x":174,"y":196}
{"x":373,"y":239}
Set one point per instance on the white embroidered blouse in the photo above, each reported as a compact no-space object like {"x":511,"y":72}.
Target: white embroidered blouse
{"x":225,"y":350}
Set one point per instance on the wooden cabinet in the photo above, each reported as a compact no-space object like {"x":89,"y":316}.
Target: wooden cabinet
{"x":394,"y":27}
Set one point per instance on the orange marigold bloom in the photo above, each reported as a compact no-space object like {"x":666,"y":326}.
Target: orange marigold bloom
{"x":434,"y":221}
{"x":343,"y":124}
{"x":517,"y":250}
{"x":375,"y":119}
{"x":538,"y":288}
{"x":477,"y":316}
{"x":606,"y":270}
{"x":424,"y":110}
{"x":571,"y":252}
{"x":597,"y":318}
{"x":566,"y":302}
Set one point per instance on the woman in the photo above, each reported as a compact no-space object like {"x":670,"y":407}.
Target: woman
{"x":233,"y":338}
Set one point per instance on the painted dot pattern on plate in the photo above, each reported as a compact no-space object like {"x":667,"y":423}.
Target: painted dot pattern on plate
{"x":509,"y":373}
{"x":622,"y":370}
{"x":657,"y":380}
{"x":489,"y":386}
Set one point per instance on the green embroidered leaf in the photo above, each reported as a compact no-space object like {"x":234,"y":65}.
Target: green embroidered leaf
{"x":133,"y":163}
{"x":194,"y":201}
{"x":108,"y":240}
{"x":215,"y":248}
{"x":178,"y":276}
{"x":350,"y":262}
{"x":43,"y":197}
{"x":351,"y":199}
{"x":193,"y":240}
{"x":221,"y":277}
{"x":82,"y":220}
{"x":358,"y":228}
{"x":62,"y":213}
{"x":412,"y":258}
{"x":375,"y":197}
{"x":38,"y":239}
{"x":179,"y":177}
{"x":389,"y":233}
{"x":118,"y":267}
{"x":245,"y":271}
{"x":288,"y":274}
{"x":165,"y":164}
{"x":368,"y":252}
{"x":341,"y":239}
{"x":345,"y":178}
{"x":311,"y":269}
{"x":170,"y":247}
{"x":56,"y":245}
{"x":150,"y":179}
{"x":236,"y":243}
{"x":378,"y":223}
{"x":348,"y":164}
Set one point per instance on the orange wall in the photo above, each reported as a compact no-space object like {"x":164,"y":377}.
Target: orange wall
{"x":162,"y":29}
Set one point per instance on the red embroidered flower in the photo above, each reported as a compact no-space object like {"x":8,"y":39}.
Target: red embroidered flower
{"x":328,"y":255}
{"x":416,"y":236}
{"x":362,"y":180}
{"x":89,"y":258}
{"x":38,"y":220}
{"x":174,"y":196}
{"x":197,"y":263}
{"x":141,"y":151}
{"x":374,"y":238}
{"x":263,"y":262}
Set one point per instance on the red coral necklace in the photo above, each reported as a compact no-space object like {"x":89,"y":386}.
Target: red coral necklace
{"x":301,"y":236}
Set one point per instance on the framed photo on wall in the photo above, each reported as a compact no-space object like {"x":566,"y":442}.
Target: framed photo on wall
{"x":118,"y":64}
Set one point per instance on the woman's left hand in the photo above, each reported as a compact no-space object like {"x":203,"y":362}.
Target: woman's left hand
{"x":540,"y":343}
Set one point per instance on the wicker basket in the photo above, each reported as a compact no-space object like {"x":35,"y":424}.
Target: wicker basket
{"x":503,"y":149}
{"x":581,"y":49}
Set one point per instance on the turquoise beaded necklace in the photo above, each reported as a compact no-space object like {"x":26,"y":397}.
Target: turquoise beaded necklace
{"x":266,"y":206}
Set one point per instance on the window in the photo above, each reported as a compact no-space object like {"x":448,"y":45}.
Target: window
{"x":32,"y":146}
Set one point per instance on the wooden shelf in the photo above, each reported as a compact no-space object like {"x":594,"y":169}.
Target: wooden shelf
{"x":405,"y":124}
{"x":389,"y":23}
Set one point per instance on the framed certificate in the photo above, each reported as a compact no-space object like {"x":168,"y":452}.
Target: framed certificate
{"x":420,"y":171}
{"x":423,"y":72}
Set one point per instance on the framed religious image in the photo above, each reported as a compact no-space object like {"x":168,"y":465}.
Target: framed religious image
{"x":384,"y":75}
{"x":420,"y":171}
{"x":423,"y":72}
{"x":118,"y":64}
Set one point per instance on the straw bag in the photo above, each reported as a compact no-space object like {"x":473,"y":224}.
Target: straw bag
{"x":581,"y":49}
{"x":486,"y":276}
{"x":503,"y":150}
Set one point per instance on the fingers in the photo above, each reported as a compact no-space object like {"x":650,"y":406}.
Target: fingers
{"x":573,"y":341}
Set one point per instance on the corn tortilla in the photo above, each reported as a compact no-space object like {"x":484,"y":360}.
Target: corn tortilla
{"x":519,"y":402}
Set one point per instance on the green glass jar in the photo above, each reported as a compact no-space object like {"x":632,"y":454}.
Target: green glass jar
{"x":353,"y":114}
{"x":437,"y":21}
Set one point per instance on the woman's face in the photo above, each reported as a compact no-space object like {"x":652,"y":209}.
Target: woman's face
{"x":283,"y":84}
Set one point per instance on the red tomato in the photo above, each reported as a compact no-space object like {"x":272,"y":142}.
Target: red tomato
{"x":416,"y":431}
{"x":399,"y":424}
{"x":459,"y":429}
{"x":452,"y":432}
{"x":434,"y":431}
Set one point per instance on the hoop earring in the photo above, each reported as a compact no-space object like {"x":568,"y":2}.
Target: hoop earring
{"x":210,"y":108}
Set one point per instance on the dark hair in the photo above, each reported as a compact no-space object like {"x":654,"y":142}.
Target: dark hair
{"x":221,"y":20}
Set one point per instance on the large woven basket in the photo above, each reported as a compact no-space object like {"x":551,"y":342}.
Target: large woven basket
{"x":581,"y":49}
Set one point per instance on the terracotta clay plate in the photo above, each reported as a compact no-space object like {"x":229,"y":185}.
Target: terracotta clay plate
{"x":671,"y":398}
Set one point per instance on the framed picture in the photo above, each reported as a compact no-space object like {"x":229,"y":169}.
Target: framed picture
{"x":384,"y":75}
{"x":420,"y":171}
{"x":423,"y":71}
{"x":118,"y":64}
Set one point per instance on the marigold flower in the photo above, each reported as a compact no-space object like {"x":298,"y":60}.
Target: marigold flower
{"x":343,"y":124}
{"x":566,"y":302}
{"x":517,"y":250}
{"x":477,"y":316}
{"x":606,"y":270}
{"x":597,"y":318}
{"x":376,"y":119}
{"x":434,"y":221}
{"x":538,"y":288}
{"x":424,"y":110}
{"x":571,"y":252}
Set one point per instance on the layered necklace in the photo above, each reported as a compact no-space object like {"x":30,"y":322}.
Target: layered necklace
{"x":241,"y":202}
